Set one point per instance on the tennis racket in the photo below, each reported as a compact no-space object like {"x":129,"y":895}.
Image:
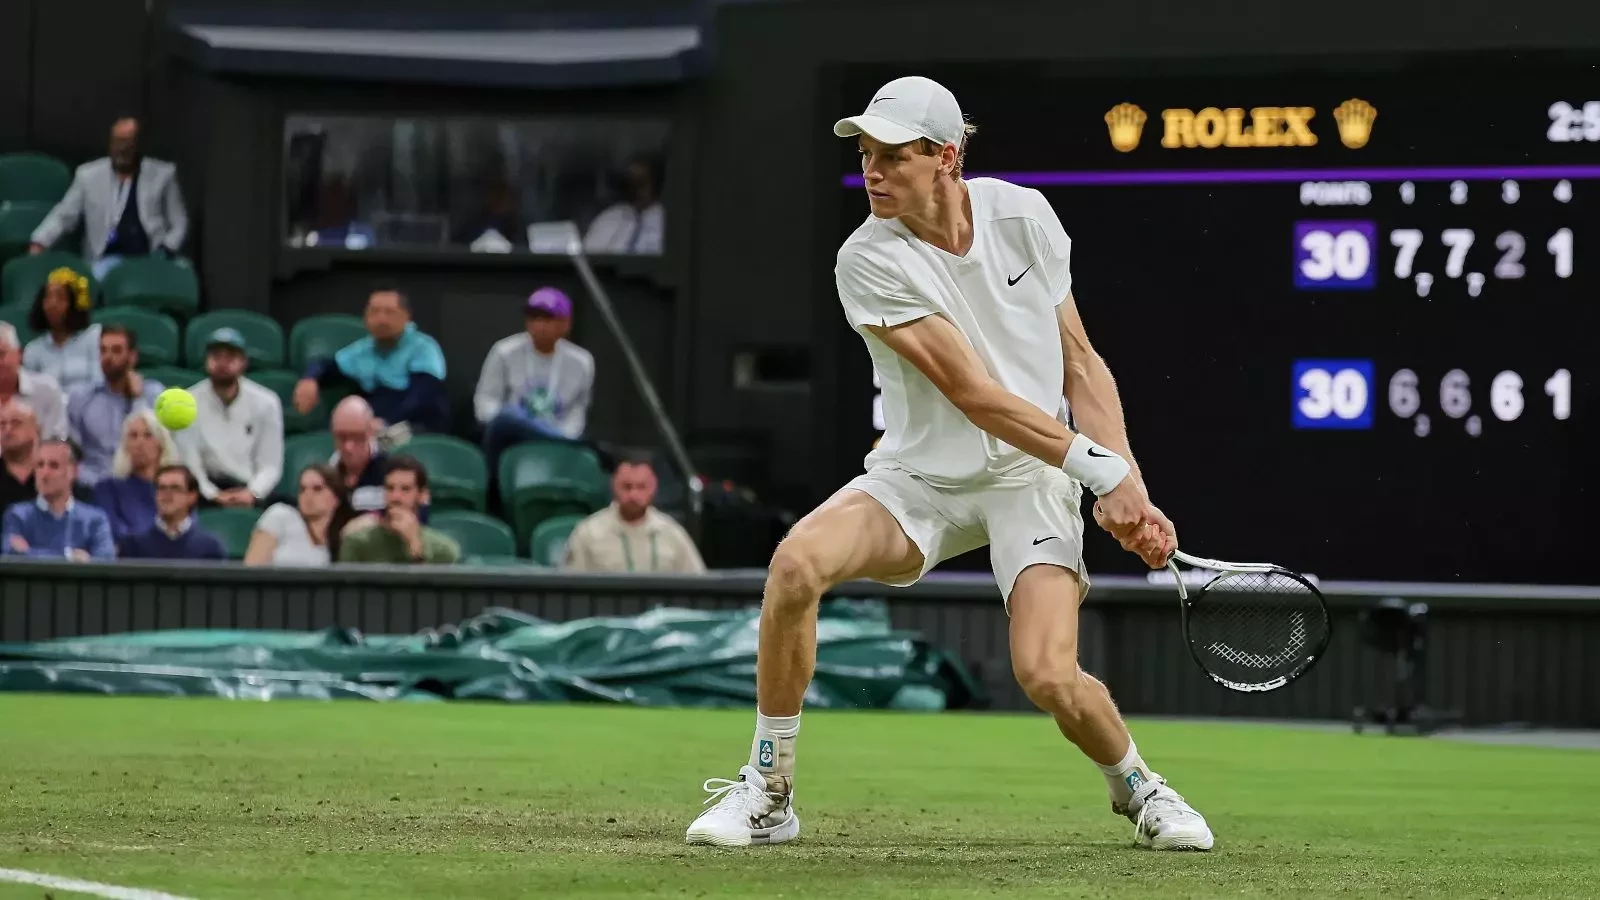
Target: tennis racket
{"x":1255,"y":627}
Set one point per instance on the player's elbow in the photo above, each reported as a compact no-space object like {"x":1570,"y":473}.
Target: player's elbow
{"x":977,"y":399}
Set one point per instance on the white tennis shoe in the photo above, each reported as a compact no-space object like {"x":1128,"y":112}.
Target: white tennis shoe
{"x":744,"y":812}
{"x":1163,"y":820}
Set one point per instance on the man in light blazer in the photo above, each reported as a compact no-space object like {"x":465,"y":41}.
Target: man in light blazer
{"x":126,"y":204}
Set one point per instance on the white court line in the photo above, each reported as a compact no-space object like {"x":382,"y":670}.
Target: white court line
{"x":110,"y":891}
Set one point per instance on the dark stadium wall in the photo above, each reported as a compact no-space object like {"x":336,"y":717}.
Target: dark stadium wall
{"x":762,"y":254}
{"x":67,"y":68}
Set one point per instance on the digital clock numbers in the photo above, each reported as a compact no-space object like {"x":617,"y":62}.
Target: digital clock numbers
{"x":1339,"y":394}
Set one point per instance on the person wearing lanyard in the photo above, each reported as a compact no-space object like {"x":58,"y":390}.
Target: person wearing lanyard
{"x":535,"y":385}
{"x":631,"y":535}
{"x":124,"y":203}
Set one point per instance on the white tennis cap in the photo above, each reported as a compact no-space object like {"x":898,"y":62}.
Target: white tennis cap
{"x":906,"y":109}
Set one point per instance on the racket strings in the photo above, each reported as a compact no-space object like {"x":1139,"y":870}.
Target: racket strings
{"x":1256,"y":627}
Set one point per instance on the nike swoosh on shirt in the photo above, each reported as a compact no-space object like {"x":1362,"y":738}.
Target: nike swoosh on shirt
{"x":1012,"y":282}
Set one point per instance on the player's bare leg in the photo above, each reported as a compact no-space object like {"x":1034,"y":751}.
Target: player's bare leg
{"x":1044,"y":658}
{"x":850,"y":536}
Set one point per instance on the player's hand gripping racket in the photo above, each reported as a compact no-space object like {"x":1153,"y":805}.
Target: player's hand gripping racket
{"x":1255,"y":627}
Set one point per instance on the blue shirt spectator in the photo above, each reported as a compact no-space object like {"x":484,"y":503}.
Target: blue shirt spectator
{"x":397,"y":369}
{"x":175,"y":534}
{"x":55,"y":525}
{"x":68,"y":344}
{"x":128,"y":497}
{"x":95,"y":413}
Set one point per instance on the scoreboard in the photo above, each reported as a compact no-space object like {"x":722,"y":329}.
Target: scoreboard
{"x":1353,"y":311}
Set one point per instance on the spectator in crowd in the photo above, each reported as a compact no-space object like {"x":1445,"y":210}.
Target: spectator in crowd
{"x":126,"y":205}
{"x":307,"y":534}
{"x":128,"y":497}
{"x":535,"y":384}
{"x":95,"y":412}
{"x":631,"y":535}
{"x":358,"y":459}
{"x":174,"y":534}
{"x":235,"y":447}
{"x":634,"y":225}
{"x":68,"y":345}
{"x":39,"y":391}
{"x":19,"y":449}
{"x":55,"y":524}
{"x":399,"y":536}
{"x":397,"y":369}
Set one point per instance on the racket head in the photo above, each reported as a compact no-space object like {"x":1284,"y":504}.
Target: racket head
{"x":1256,"y":630}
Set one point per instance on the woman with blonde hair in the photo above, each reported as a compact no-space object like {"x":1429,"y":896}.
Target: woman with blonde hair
{"x":128,"y":497}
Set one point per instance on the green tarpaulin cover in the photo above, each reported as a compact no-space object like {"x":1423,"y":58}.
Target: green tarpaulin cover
{"x":676,"y":657}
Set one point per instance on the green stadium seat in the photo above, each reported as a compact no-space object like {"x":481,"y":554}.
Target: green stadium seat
{"x":22,"y":277}
{"x":504,"y":561}
{"x":17,"y":222}
{"x":548,"y":544}
{"x":458,"y":477}
{"x":231,"y":526}
{"x":476,"y":533}
{"x":320,"y":337}
{"x":262,"y":335}
{"x":282,"y":382}
{"x":17,"y":315}
{"x":152,"y":282}
{"x":172,"y":376}
{"x":540,"y":480}
{"x":33,"y":178}
{"x":299,"y":451}
{"x":157,"y":332}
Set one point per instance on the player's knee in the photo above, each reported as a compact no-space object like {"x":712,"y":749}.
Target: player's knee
{"x":793,"y":576}
{"x":1055,"y":686}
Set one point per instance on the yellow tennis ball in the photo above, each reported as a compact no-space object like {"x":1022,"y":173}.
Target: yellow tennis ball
{"x":175,"y":408}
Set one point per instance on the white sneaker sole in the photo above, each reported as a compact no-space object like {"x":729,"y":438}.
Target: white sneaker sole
{"x":784,"y":831}
{"x":1195,"y":842}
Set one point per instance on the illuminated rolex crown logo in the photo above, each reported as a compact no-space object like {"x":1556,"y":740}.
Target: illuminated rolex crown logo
{"x":1126,"y":123}
{"x":1355,"y":122}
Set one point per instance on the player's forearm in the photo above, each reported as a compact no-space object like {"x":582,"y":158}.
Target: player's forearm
{"x":1097,"y":408}
{"x":1019,"y":423}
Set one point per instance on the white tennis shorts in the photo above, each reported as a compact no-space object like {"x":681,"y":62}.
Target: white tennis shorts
{"x":1034,"y":517}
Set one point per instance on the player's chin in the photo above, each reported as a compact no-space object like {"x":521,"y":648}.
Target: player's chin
{"x":883,"y":206}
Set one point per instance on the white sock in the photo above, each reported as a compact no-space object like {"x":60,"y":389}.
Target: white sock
{"x":772,"y":750}
{"x":1126,"y":776}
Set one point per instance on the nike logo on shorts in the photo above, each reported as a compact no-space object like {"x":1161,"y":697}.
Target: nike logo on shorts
{"x":1038,"y":541}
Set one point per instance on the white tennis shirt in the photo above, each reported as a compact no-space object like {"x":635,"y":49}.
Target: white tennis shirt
{"x":1002,"y":296}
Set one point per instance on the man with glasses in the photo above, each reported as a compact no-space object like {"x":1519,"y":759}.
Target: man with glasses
{"x":174,"y":535}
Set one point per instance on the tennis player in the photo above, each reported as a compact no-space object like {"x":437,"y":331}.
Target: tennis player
{"x":963,"y":293}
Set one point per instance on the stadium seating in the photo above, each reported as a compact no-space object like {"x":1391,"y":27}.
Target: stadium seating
{"x":299,"y":451}
{"x":282,"y":382}
{"x":477,"y":534}
{"x":157,"y":333}
{"x":17,"y":315}
{"x":458,"y":477}
{"x":22,"y":277}
{"x":152,"y":282}
{"x":548,"y":545}
{"x":231,"y":526}
{"x":33,"y":178}
{"x":262,"y":335}
{"x":544,"y":479}
{"x":172,"y":376}
{"x":319,"y":337}
{"x":17,"y":222}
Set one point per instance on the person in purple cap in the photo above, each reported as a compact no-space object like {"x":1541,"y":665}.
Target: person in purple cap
{"x":535,"y":385}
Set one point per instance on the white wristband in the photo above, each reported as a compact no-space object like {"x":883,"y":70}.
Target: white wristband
{"x":1099,"y":469}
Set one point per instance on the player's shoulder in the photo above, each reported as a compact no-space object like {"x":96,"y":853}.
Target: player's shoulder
{"x":1004,"y":200}
{"x":871,"y":259}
